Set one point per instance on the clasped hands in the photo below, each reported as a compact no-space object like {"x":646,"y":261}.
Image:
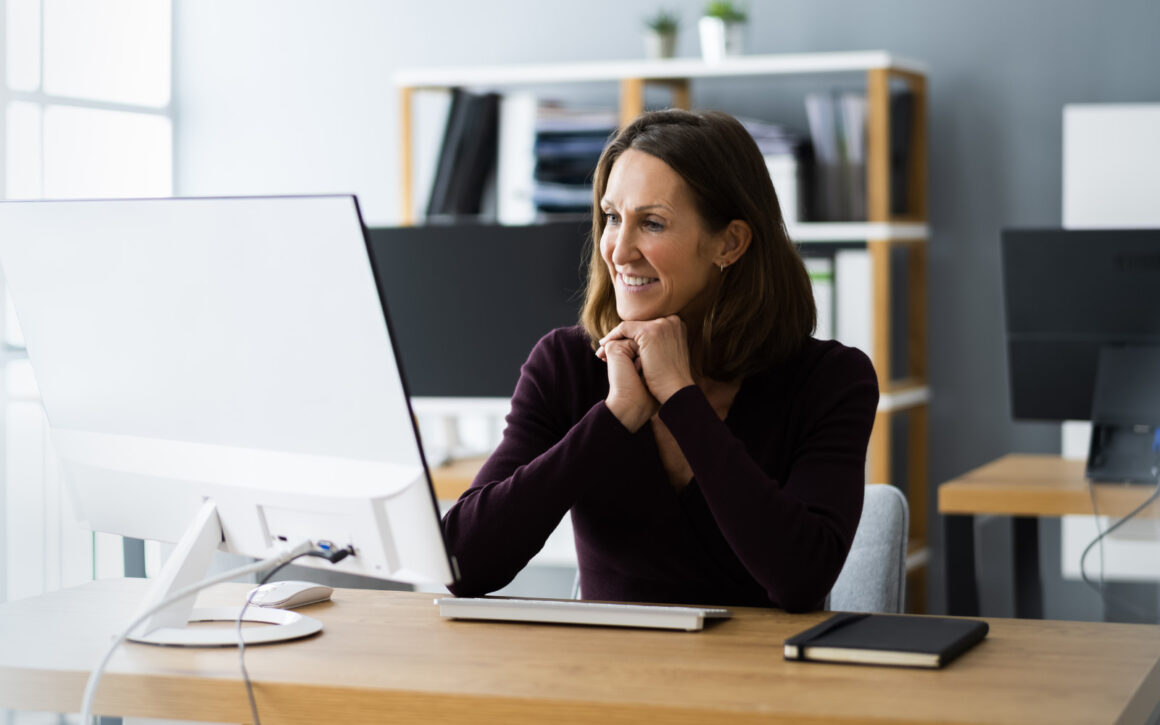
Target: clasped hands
{"x":648,"y":361}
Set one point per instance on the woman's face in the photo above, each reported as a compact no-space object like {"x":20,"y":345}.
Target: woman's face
{"x":659,"y":253}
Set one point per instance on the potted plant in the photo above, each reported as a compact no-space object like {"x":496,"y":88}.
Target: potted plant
{"x":660,"y":39}
{"x":720,"y":29}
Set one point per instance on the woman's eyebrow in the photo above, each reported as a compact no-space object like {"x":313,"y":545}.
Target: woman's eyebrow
{"x":643,"y":207}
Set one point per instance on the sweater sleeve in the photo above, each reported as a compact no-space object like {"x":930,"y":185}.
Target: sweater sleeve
{"x":543,"y":464}
{"x":793,"y":535}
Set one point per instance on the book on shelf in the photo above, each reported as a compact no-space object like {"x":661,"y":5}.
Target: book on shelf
{"x":568,"y":143}
{"x":467,"y":155}
{"x":782,"y":149}
{"x":838,"y":128}
{"x":785,"y":175}
{"x":446,"y":161}
{"x":545,"y":154}
{"x":899,"y":640}
{"x":853,"y":299}
{"x":516,"y":162}
{"x":537,"y":161}
{"x":901,"y":130}
{"x":517,"y":158}
{"x":837,"y":124}
{"x":820,"y":112}
{"x":430,"y":112}
{"x":852,"y":137}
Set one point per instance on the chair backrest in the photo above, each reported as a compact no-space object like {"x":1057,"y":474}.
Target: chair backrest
{"x":873,"y":578}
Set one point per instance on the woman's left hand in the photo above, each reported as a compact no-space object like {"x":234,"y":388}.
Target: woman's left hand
{"x":663,"y":352}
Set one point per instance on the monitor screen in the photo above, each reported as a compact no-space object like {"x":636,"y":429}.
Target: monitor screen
{"x":231,"y":351}
{"x":1067,"y":294}
{"x":469,"y":301}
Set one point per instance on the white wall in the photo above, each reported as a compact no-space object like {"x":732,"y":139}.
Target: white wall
{"x":283,"y":97}
{"x":295,"y":96}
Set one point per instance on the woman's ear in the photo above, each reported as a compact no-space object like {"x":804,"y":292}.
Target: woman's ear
{"x":734,"y":241}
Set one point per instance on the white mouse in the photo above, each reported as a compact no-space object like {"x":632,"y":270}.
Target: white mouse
{"x":289,"y":594}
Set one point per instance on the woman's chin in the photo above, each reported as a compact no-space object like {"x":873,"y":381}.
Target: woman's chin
{"x":639,"y":314}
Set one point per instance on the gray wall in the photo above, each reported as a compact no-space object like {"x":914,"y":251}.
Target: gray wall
{"x":251,"y":73}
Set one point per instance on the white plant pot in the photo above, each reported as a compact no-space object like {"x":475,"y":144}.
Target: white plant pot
{"x":660,"y":45}
{"x":719,"y":39}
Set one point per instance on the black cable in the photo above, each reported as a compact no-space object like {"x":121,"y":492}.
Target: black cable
{"x":1099,"y":539}
{"x":326,"y":551}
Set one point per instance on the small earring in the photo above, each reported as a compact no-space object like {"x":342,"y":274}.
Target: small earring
{"x":721,"y":266}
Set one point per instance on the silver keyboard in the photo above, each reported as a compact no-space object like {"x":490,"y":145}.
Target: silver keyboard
{"x":569,"y":611}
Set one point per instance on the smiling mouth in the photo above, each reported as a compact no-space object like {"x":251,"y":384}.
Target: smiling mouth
{"x":634,"y":283}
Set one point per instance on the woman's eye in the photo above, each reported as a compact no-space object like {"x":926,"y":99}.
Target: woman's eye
{"x":611,"y":218}
{"x":653,"y":225}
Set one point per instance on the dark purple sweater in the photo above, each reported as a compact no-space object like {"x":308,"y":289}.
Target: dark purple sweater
{"x":766,"y":521}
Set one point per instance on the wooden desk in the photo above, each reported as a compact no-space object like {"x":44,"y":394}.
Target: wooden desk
{"x":1025,"y":487}
{"x":452,"y":479}
{"x":388,"y":657}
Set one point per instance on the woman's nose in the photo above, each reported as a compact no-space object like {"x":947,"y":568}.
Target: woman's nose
{"x":623,"y":247}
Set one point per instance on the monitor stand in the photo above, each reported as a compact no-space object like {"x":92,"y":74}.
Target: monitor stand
{"x":188,"y":565}
{"x":1125,"y":445}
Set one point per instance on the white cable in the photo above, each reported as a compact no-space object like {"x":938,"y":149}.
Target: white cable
{"x":95,"y":677}
{"x":1108,"y":531}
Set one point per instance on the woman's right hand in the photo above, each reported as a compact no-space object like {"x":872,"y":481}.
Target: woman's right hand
{"x":628,"y":397}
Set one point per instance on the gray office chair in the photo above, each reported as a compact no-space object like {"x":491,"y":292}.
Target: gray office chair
{"x":874,"y":576}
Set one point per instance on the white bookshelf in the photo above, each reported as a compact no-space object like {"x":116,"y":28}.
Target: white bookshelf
{"x":669,"y":69}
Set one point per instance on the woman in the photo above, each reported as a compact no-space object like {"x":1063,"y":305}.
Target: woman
{"x":710,"y":451}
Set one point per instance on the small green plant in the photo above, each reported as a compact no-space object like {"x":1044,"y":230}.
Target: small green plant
{"x":664,"y":22}
{"x":725,"y":10}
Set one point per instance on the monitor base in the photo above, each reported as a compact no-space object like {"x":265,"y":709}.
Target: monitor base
{"x":286,"y":626}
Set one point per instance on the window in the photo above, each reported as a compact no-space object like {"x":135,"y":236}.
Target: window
{"x":87,"y":100}
{"x":87,"y":113}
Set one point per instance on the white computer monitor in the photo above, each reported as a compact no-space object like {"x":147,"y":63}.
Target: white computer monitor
{"x":229,"y":362}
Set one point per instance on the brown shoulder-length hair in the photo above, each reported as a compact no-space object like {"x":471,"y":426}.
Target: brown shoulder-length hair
{"x":764,"y":307}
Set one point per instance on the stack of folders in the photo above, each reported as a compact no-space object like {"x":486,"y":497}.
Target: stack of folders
{"x":838,"y":125}
{"x":568,"y":144}
{"x":781,"y":149}
{"x":886,"y":639}
{"x":838,"y":130}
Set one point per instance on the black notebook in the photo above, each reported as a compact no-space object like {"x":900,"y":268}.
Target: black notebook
{"x":886,"y":639}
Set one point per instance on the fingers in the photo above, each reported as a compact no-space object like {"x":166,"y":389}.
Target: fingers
{"x":636,"y":329}
{"x":628,"y":346}
{"x":633,"y":329}
{"x":628,"y":397}
{"x":616,"y":333}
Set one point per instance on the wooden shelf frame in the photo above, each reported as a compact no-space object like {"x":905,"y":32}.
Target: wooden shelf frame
{"x":882,"y":233}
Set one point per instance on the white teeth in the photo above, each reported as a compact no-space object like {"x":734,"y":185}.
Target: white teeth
{"x":636,"y":281}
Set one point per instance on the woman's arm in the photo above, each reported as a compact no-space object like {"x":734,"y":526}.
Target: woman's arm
{"x":793,"y":535}
{"x":546,"y":460}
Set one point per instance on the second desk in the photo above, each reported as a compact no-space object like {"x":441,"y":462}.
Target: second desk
{"x":1025,"y":487}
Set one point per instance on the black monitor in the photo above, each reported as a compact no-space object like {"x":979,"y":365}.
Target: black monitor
{"x":1069,"y":294}
{"x":469,"y":301}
